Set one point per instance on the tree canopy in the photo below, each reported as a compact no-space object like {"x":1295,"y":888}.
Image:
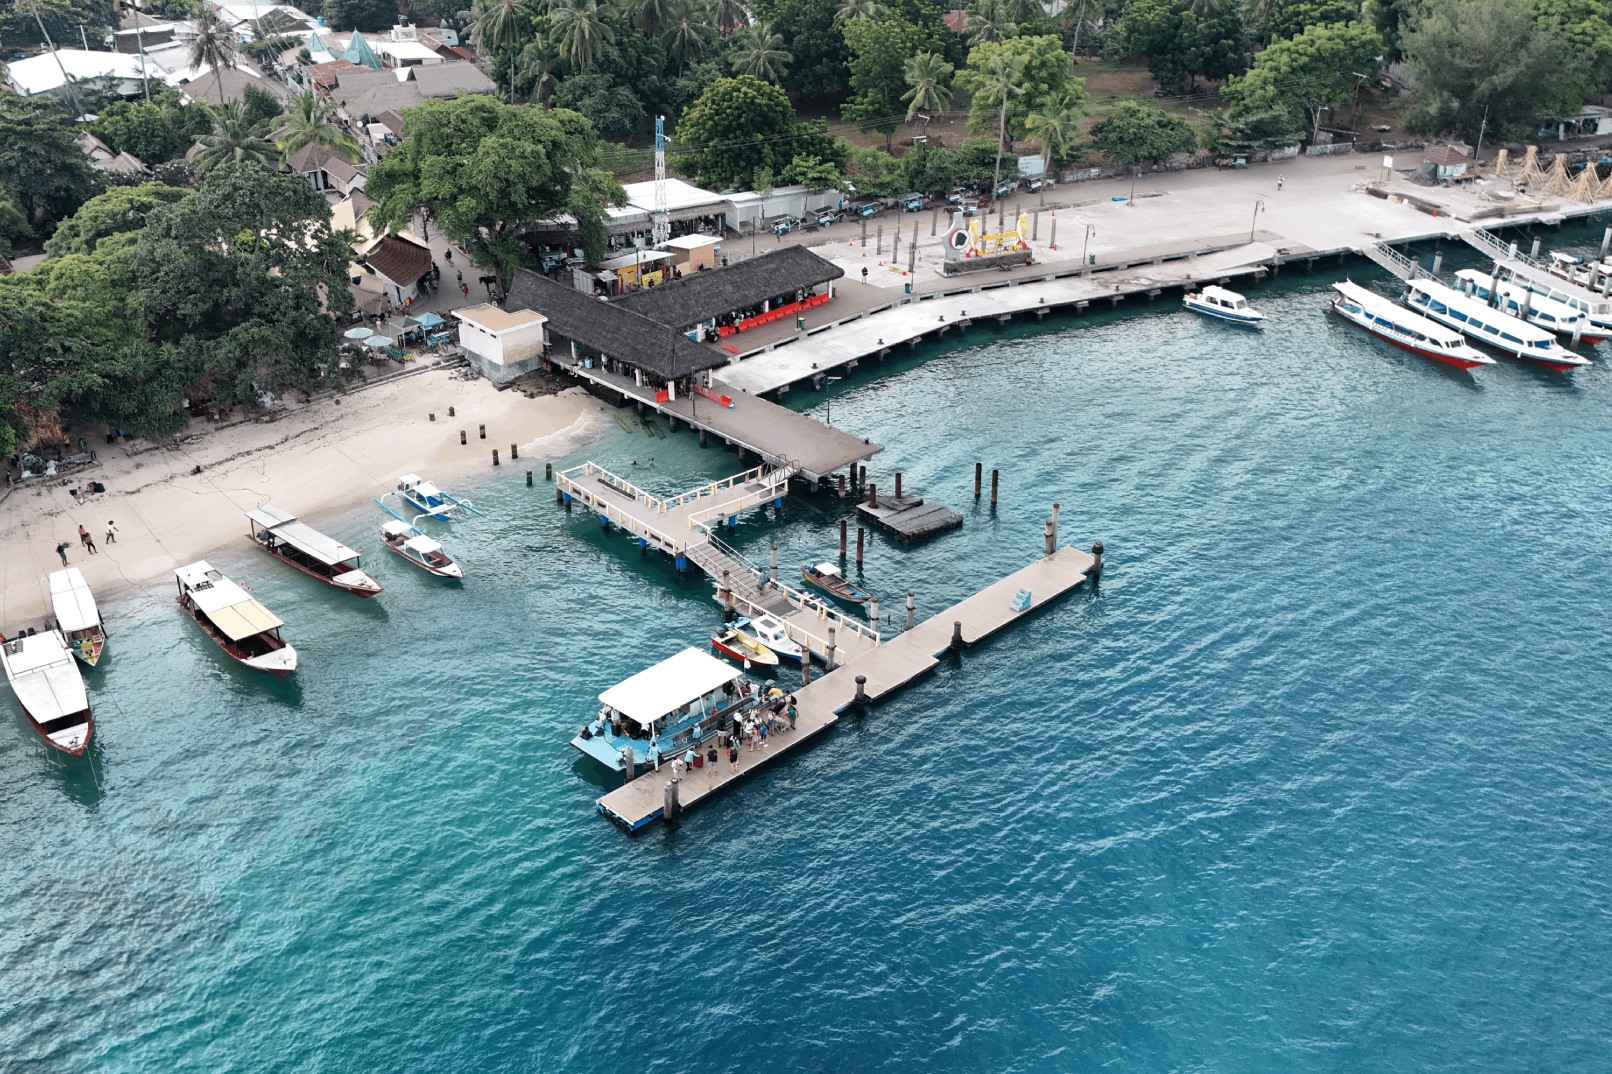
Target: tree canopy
{"x":483,"y":169}
{"x":1183,"y":41}
{"x":1451,"y":47}
{"x":880,"y":49}
{"x":1299,"y":76}
{"x":1137,"y":133}
{"x":1043,"y":73}
{"x":121,"y":210}
{"x":62,"y":18}
{"x":740,"y":126}
{"x":46,"y":172}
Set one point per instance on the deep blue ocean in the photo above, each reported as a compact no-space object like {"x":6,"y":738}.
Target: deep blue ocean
{"x":1316,"y":780}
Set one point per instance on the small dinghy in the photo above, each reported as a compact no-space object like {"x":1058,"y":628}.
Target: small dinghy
{"x":827,"y":577}
{"x":420,"y":550}
{"x":737,"y":645}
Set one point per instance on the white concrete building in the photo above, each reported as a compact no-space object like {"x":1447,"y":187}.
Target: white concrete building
{"x":503,"y":344}
{"x":43,"y":73}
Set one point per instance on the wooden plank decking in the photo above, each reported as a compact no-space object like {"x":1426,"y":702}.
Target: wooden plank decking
{"x":887,"y":667}
{"x":910,"y":518}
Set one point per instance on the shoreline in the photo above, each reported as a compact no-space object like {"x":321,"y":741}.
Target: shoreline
{"x":317,"y":461}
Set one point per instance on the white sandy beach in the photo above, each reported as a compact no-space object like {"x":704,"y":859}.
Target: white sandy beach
{"x":322,"y":458}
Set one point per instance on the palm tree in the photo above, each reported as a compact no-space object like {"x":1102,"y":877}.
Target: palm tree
{"x":991,"y":20}
{"x":308,"y":122}
{"x":1074,"y":15}
{"x":498,"y":23}
{"x":538,"y":63}
{"x":651,"y":16}
{"x":580,"y":31}
{"x":929,"y":78}
{"x":234,"y":138}
{"x":213,"y":46}
{"x":758,"y":51}
{"x":730,"y":15}
{"x":1057,"y":125}
{"x":860,"y":9}
{"x":1002,"y":79}
{"x":688,"y":34}
{"x":1205,"y":8}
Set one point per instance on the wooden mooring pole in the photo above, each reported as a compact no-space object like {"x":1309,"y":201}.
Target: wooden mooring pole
{"x":979,"y":473}
{"x":860,"y":532}
{"x":994,"y":474}
{"x":912,"y":607}
{"x":844,"y":525}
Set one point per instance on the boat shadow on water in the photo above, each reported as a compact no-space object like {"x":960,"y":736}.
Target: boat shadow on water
{"x":243,"y":682}
{"x":79,"y":778}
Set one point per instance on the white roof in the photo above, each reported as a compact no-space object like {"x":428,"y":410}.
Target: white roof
{"x":1508,"y":289}
{"x":406,"y":50}
{"x":668,"y":686}
{"x":491,"y":319}
{"x":679,"y":195}
{"x":40,"y":74}
{"x":1530,"y":334}
{"x":423,"y":544}
{"x":44,"y":676}
{"x":1222,"y":293}
{"x":828,"y":569}
{"x":691,"y":242}
{"x":417,"y":484}
{"x":641,"y":257}
{"x":70,"y":596}
{"x":231,"y":608}
{"x":1374,"y":303}
{"x":301,"y":536}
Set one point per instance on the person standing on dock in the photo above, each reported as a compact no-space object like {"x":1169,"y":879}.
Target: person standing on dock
{"x":791,"y":712}
{"x":733,"y":758}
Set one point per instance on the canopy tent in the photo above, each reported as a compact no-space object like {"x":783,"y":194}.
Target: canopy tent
{"x":299,"y":535}
{"x":431,"y":320}
{"x":358,"y":51}
{"x":379,"y":342}
{"x":668,"y":686}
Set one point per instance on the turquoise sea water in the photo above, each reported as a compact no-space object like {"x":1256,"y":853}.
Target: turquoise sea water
{"x":1316,"y":780}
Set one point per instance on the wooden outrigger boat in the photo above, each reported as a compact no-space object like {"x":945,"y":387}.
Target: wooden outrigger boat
{"x":420,"y":550}
{"x":49,"y":688}
{"x":309,"y":551}
{"x":77,"y":617}
{"x":426,"y":498}
{"x":738,"y":645}
{"x":678,"y":705}
{"x":237,"y":623}
{"x":827,"y":577}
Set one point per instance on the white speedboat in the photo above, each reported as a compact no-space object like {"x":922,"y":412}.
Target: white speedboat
{"x":236,"y":622}
{"x":1597,"y":309}
{"x":1387,"y":320}
{"x":426,"y":498}
{"x":1226,"y":305}
{"x":1509,"y":296}
{"x":47,"y":683}
{"x":770,"y":631}
{"x":76,"y":615}
{"x":418,"y":549}
{"x":1501,"y":331}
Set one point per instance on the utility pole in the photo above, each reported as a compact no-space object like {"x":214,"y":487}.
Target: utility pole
{"x":67,"y":80}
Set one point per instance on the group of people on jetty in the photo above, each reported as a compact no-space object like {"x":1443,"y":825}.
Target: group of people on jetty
{"x":747,"y":727}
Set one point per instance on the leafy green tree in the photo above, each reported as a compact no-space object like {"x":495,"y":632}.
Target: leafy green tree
{"x":145,"y":129}
{"x":1389,"y":17}
{"x":235,"y":139}
{"x":500,"y":29}
{"x":484,"y":169}
{"x":1293,"y":19}
{"x":1182,"y":46}
{"x":581,"y":31}
{"x":759,"y":51}
{"x":820,"y":70}
{"x":1135,"y":133}
{"x":1302,"y":75}
{"x":1586,"y":28}
{"x":261,"y":106}
{"x":1043,"y":73}
{"x":651,"y":17}
{"x":1056,"y":127}
{"x":992,"y":20}
{"x":815,"y":174}
{"x":689,"y":34}
{"x":172,"y":9}
{"x":42,"y":167}
{"x":929,"y":169}
{"x":729,"y":14}
{"x":875,"y":173}
{"x":310,"y":122}
{"x":1260,"y":130}
{"x":929,"y":83}
{"x":62,"y":18}
{"x":613,"y":110}
{"x":738,"y":126}
{"x":365,"y":16}
{"x":850,"y":10}
{"x":121,"y":210}
{"x":880,"y":49}
{"x":13,"y":223}
{"x":237,"y":278}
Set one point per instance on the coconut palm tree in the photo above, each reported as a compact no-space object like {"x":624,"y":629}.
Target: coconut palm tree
{"x":651,"y":17}
{"x":1002,"y":80}
{"x":929,"y":81}
{"x":758,"y":51}
{"x":689,"y":34}
{"x":213,"y":46}
{"x":235,"y":138}
{"x":498,"y":23}
{"x":860,"y":9}
{"x":1057,"y":125}
{"x":308,"y":122}
{"x":1074,"y":16}
{"x":730,"y":15}
{"x":580,"y":31}
{"x":991,"y":20}
{"x":539,"y":61}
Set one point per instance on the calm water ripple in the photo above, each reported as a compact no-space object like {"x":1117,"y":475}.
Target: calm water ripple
{"x":1317,"y":780}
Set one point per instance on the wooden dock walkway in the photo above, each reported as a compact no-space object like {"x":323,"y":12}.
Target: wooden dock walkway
{"x":884,"y":668}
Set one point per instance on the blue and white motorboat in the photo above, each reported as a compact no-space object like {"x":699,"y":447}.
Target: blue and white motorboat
{"x":1226,"y":305}
{"x":1473,"y":319}
{"x":426,"y":498}
{"x":664,"y":711}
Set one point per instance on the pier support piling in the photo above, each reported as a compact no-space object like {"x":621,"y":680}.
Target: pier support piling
{"x":873,"y":495}
{"x":979,"y":472}
{"x":1054,"y":526}
{"x":433,"y":417}
{"x":994,"y":475}
{"x":898,"y":484}
{"x":1438,"y":261}
{"x":957,"y":635}
{"x":772,"y":565}
{"x":627,"y":759}
{"x":912,"y":607}
{"x":844,"y":526}
{"x":462,"y":440}
{"x":514,"y":452}
{"x":1606,"y":240}
{"x":860,"y":533}
{"x":495,"y":456}
{"x":861,"y":689}
{"x":1048,"y":539}
{"x":828,"y":653}
{"x":805,"y":667}
{"x":483,"y":429}
{"x":548,"y":471}
{"x":873,"y":613}
{"x":1097,"y":554}
{"x":451,"y":413}
{"x":528,"y":479}
{"x":1533,"y":251}
{"x":670,"y":806}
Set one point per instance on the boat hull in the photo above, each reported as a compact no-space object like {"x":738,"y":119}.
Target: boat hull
{"x":278,"y":661}
{"x":367,"y":587}
{"x":1453,"y":360}
{"x":456,"y":573}
{"x":88,"y":651}
{"x":53,"y":731}
{"x":840,"y":590}
{"x":730,"y":646}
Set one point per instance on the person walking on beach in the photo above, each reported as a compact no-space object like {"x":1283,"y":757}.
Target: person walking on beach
{"x":111,"y":532}
{"x":1280,"y":179}
{"x":61,"y":550}
{"x":86,"y":540}
{"x":464,"y":289}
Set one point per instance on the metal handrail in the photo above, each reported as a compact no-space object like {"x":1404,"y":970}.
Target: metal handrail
{"x":1500,"y":248}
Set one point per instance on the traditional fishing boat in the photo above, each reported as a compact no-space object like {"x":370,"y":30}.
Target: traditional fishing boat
{"x":236,"y":622}
{"x":662,"y":712}
{"x":48,"y":685}
{"x":827,"y":577}
{"x":77,"y":617}
{"x":418,"y":549}
{"x":1543,"y":311}
{"x":309,"y":551}
{"x":740,"y":646}
{"x":1501,"y":331}
{"x":1415,"y":333}
{"x":426,"y":498}
{"x":1223,"y":304}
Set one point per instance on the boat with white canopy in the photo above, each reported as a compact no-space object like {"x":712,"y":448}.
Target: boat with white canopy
{"x":660,"y":713}
{"x":1501,"y":331}
{"x":1517,"y":299}
{"x":426,"y":498}
{"x":1388,"y":320}
{"x":422,"y":551}
{"x":1222,"y":304}
{"x":309,"y":551}
{"x":233,"y":618}
{"x":50,"y":688}
{"x":77,"y":617}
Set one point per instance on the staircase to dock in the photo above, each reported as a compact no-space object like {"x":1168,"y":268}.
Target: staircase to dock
{"x":1488,"y":242}
{"x":1395,"y":262}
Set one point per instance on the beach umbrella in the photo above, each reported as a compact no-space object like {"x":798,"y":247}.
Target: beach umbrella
{"x":378,"y":342}
{"x":431,"y":320}
{"x":358,"y":333}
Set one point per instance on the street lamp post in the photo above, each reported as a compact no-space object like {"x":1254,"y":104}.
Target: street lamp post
{"x":1259,"y":207}
{"x":1091,"y":229}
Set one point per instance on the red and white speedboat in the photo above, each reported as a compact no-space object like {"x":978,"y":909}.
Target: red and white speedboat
{"x":422,"y":551}
{"x":1478,"y":321}
{"x":236,"y":622}
{"x":1388,"y":320}
{"x":47,"y":683}
{"x":309,"y":551}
